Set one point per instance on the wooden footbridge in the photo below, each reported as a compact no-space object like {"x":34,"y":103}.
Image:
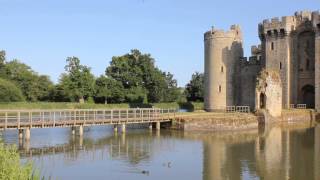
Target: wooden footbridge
{"x":24,"y":120}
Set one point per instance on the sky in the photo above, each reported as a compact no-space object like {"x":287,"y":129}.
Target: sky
{"x":43,"y":33}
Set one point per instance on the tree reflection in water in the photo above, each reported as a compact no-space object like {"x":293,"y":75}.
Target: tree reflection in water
{"x":274,"y":153}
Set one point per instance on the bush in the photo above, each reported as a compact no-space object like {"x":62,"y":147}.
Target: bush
{"x":9,"y":92}
{"x":10,"y":167}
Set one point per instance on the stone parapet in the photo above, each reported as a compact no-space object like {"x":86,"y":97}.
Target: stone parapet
{"x":253,"y":61}
{"x":278,"y":28}
{"x":234,"y":32}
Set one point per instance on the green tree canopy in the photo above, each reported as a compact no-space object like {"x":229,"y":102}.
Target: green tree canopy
{"x":78,"y":81}
{"x":195,"y":88}
{"x":9,"y":92}
{"x":109,"y":90}
{"x":141,"y":78}
{"x":33,"y":86}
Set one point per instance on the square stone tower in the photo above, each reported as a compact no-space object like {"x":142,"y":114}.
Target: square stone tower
{"x":290,"y":46}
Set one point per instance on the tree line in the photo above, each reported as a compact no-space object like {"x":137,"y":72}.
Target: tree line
{"x":130,"y":78}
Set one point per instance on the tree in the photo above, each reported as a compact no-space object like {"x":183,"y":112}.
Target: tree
{"x":172,"y":92}
{"x":195,"y":88}
{"x":33,"y":86}
{"x":109,"y":90}
{"x":2,"y":64}
{"x":137,"y":72}
{"x":9,"y":92}
{"x":78,"y":80}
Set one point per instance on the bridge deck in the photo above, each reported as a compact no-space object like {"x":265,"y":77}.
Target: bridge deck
{"x":18,"y":119}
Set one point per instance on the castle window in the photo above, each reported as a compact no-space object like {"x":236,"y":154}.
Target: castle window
{"x":280,"y":65}
{"x":272,"y":46}
{"x":219,"y":88}
{"x":275,"y":32}
{"x":307,"y":64}
{"x":269,"y":33}
{"x":282,"y":32}
{"x":222,"y":69}
{"x":318,"y":25}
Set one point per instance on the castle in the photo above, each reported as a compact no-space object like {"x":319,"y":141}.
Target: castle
{"x":283,"y":71}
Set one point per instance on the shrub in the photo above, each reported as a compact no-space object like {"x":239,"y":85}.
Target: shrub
{"x":9,"y":92}
{"x":10,"y":167}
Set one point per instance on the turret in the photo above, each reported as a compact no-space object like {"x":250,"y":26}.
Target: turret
{"x":223,"y":50}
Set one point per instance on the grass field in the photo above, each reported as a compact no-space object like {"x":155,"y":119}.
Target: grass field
{"x":190,"y":106}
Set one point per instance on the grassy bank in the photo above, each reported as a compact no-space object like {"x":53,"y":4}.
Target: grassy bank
{"x":191,"y":106}
{"x":10,"y":166}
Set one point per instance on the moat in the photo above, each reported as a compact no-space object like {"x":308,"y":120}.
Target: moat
{"x":270,"y":153}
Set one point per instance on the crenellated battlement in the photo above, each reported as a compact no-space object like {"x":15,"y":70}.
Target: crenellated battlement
{"x":233,"y":32}
{"x":256,"y":50}
{"x":277,"y":28}
{"x":253,"y":61}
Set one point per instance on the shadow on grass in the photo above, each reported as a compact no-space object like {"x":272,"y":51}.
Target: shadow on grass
{"x":188,"y":106}
{"x":139,"y":105}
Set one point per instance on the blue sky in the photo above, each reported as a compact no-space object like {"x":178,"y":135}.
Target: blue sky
{"x":43,"y":33}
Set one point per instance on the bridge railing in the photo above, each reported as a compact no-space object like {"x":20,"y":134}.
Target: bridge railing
{"x":43,"y":118}
{"x":233,"y":109}
{"x":298,"y":106}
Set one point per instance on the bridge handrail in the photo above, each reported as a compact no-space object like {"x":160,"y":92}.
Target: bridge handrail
{"x":16,"y":118}
{"x":233,"y":109}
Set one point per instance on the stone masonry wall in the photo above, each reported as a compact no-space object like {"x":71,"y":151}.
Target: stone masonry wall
{"x":222,"y":52}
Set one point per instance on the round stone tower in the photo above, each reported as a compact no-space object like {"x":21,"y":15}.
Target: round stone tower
{"x":222,"y":53}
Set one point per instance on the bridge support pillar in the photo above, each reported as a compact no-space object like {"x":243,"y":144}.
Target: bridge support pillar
{"x":27,"y":133}
{"x":158,"y":125}
{"x":123,"y":128}
{"x":20,"y":131}
{"x":73,"y":130}
{"x":81,"y":130}
{"x":115,"y":128}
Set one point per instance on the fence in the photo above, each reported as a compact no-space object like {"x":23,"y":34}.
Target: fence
{"x":233,"y":109}
{"x":298,"y":106}
{"x":52,"y":118}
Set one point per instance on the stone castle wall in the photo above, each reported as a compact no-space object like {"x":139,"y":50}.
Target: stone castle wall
{"x":247,"y":81}
{"x":289,"y":45}
{"x":222,"y":52}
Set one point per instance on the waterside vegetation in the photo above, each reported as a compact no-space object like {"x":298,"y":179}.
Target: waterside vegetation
{"x":132,"y":78}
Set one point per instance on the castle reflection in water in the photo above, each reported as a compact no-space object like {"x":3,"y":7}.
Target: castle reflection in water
{"x":272,"y":153}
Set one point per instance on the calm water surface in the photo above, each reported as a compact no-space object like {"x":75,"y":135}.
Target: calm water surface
{"x":275,"y":153}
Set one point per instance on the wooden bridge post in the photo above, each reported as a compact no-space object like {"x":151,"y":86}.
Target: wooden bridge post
{"x":5,"y":120}
{"x":141,"y":114}
{"x":119,"y":116}
{"x":115,"y":128}
{"x":42,"y":119}
{"x":54,"y":119}
{"x":27,"y":133}
{"x":73,"y":130}
{"x":20,"y":131}
{"x":158,"y":125}
{"x":127,"y":116}
{"x":81,"y":130}
{"x":161,"y":114}
{"x":30,"y":119}
{"x":18,"y":120}
{"x":111,"y":115}
{"x":123,"y":128}
{"x":75,"y":117}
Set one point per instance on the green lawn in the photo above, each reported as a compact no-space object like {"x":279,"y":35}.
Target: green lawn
{"x":191,"y":106}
